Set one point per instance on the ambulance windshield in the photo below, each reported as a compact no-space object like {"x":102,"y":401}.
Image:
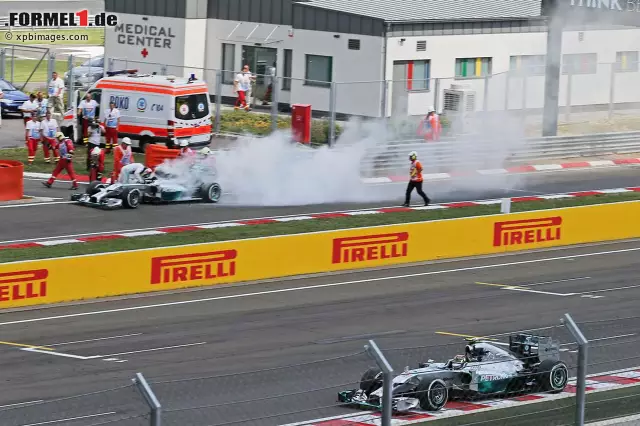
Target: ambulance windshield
{"x":192,"y":107}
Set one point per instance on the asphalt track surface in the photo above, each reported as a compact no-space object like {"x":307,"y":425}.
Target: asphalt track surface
{"x":233,"y":329}
{"x":60,"y":218}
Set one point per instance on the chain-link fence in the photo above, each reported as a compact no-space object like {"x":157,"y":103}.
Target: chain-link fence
{"x":569,"y":380}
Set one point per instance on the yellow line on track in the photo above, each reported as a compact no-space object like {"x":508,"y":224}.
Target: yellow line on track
{"x":21,"y":345}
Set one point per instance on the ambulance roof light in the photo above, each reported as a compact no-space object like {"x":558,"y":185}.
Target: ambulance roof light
{"x":121,"y":72}
{"x":192,"y":78}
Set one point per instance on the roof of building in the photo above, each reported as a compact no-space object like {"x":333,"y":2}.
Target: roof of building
{"x":433,"y":10}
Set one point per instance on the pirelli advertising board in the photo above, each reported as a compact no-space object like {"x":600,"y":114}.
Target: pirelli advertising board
{"x":86,"y":277}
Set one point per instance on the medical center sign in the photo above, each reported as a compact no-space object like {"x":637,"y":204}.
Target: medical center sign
{"x":146,"y":36}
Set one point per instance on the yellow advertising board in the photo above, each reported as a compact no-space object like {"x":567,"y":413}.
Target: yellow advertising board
{"x":86,"y":277}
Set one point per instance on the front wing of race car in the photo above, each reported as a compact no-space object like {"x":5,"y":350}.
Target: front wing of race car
{"x":104,"y":203}
{"x":358,"y":398}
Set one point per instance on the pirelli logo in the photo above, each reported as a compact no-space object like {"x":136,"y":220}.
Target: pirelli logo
{"x":370,"y":247}
{"x":193,"y":267}
{"x":530,"y":231}
{"x":23,"y":285}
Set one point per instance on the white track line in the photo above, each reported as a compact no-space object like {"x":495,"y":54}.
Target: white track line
{"x":93,"y":340}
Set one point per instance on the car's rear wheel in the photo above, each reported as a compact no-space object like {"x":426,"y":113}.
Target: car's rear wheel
{"x":553,"y":376}
{"x":95,"y":187}
{"x":433,"y":394}
{"x":131,"y":198}
{"x":211,"y":193}
{"x":370,"y":381}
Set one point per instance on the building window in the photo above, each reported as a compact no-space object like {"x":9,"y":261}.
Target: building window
{"x":626,"y":62}
{"x":527,"y":65}
{"x":473,"y":67}
{"x":418,"y":75}
{"x":319,"y":70}
{"x":354,"y":44}
{"x":288,"y":66}
{"x":580,"y":63}
{"x":228,"y":62}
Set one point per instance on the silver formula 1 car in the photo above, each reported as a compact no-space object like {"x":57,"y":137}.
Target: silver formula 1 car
{"x":529,"y":364}
{"x":131,"y":195}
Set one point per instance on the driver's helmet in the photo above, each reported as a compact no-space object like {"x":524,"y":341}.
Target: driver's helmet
{"x":473,"y":353}
{"x":147,"y":173}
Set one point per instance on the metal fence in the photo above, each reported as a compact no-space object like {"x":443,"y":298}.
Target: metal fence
{"x":300,"y":393}
{"x":590,"y":98}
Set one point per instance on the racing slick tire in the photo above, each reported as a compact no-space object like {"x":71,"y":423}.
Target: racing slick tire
{"x":211,"y":193}
{"x":433,"y":394}
{"x":131,"y":198}
{"x":95,"y":187}
{"x":552,"y":376}
{"x":369,"y":382}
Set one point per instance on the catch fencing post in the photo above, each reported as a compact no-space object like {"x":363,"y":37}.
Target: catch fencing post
{"x":485,"y":96}
{"x":583,"y":343}
{"x":505,"y":206}
{"x":332,"y":114}
{"x":567,"y":111}
{"x":70,"y":90}
{"x":274,"y":102}
{"x":612,"y":89}
{"x":387,"y":380}
{"x":219,"y":75}
{"x":150,"y":398}
{"x":51,"y":65}
{"x":3,"y":61}
{"x":13,"y":62}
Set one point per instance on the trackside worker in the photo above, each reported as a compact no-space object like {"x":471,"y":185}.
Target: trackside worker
{"x":66,"y":149}
{"x":28,"y":108}
{"x":87,"y":109}
{"x":242,"y":86}
{"x":122,"y":156}
{"x":111,"y":124}
{"x":96,"y":164}
{"x":415,"y":180}
{"x":134,"y":173}
{"x":33,"y":134}
{"x":49,"y":127}
{"x":430,"y":127}
{"x":95,"y":138}
{"x":43,"y":105}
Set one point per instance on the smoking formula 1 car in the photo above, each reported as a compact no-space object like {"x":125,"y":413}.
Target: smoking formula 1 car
{"x":151,"y":191}
{"x":531,"y":364}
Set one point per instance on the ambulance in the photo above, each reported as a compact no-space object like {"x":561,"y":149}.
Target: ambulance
{"x":153,"y":109}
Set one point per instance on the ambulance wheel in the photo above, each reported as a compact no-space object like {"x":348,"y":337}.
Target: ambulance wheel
{"x":144,"y":141}
{"x":131,"y":198}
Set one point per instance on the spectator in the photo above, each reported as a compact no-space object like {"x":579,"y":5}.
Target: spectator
{"x":56,"y":93}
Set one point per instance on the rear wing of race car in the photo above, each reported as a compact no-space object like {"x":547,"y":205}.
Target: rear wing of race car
{"x":534,"y":349}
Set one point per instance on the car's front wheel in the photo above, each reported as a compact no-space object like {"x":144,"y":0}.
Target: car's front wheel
{"x":131,"y":198}
{"x":433,"y":394}
{"x":370,"y":381}
{"x":95,"y":187}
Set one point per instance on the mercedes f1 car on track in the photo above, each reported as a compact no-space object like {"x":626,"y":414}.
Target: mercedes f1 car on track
{"x":130,"y":196}
{"x":530,"y":364}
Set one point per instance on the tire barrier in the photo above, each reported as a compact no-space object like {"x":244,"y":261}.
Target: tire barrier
{"x":11,"y":180}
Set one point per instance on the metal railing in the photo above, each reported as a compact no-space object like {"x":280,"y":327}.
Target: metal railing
{"x":468,"y":151}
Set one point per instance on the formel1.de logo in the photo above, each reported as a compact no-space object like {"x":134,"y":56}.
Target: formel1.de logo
{"x":528,"y":231}
{"x":370,"y":247}
{"x":61,"y":19}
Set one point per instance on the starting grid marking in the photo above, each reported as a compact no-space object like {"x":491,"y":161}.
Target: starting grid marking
{"x":596,"y":382}
{"x":262,"y":221}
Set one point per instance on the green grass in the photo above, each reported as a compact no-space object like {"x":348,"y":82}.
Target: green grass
{"x":254,"y":231}
{"x":22,"y":69}
{"x":62,"y":37}
{"x":39,"y":166}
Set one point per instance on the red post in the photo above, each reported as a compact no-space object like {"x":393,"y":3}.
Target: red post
{"x":301,"y":123}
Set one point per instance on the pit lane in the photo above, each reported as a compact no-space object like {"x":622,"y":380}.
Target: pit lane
{"x":213,"y":332}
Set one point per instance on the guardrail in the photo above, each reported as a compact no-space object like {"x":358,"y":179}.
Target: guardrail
{"x":469,"y":151}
